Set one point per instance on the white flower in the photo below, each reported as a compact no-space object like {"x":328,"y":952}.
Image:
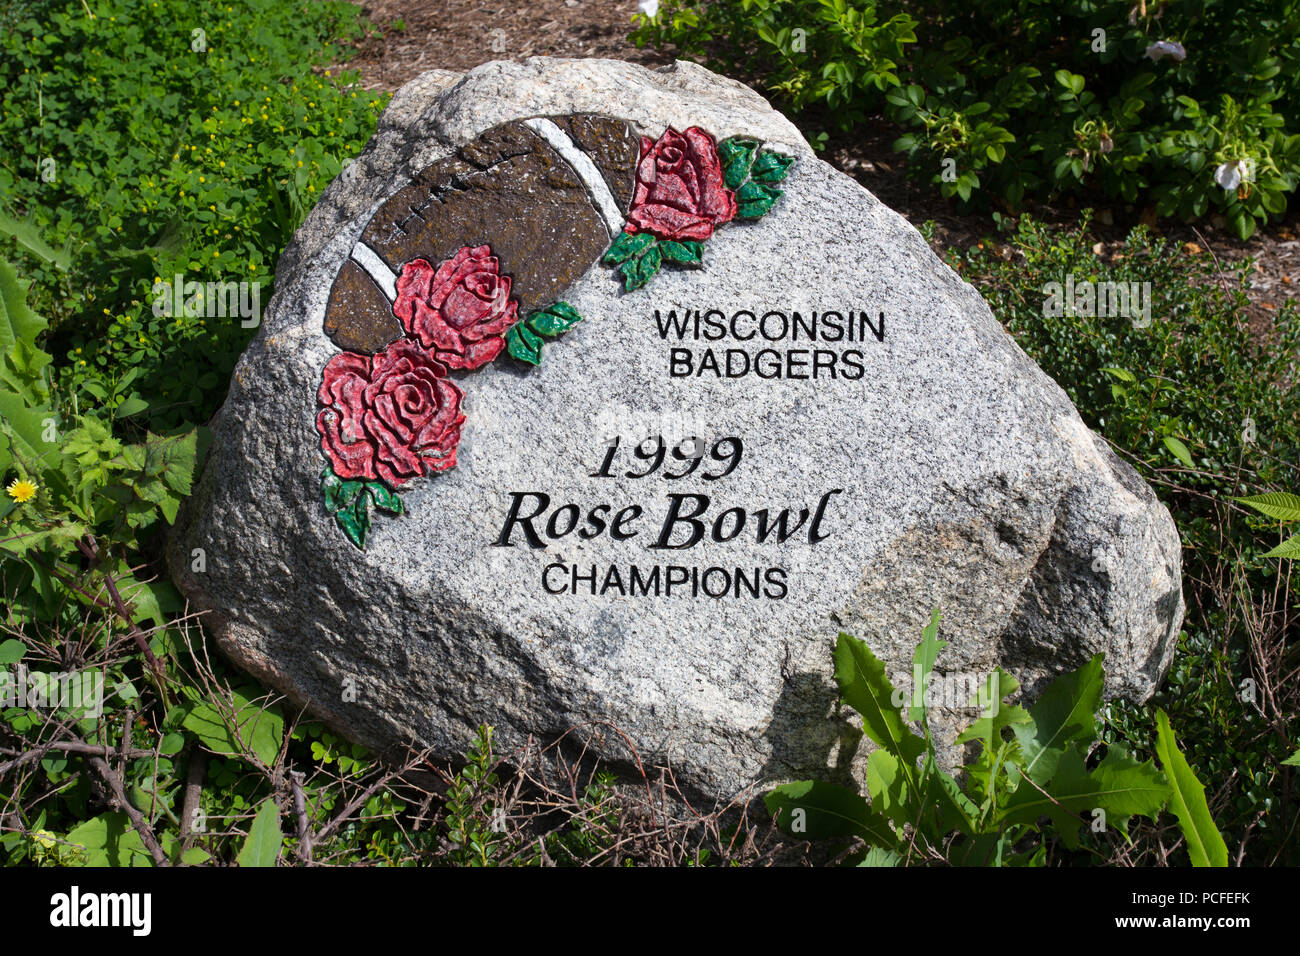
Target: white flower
{"x":1230,"y":175}
{"x":1164,"y":48}
{"x":649,"y":7}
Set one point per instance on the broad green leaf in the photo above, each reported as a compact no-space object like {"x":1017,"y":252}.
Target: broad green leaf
{"x":1120,"y":787}
{"x":1290,"y":548}
{"x":816,"y":810}
{"x":1061,"y":716}
{"x":952,"y":809}
{"x":865,"y":687}
{"x":260,"y":728}
{"x":1275,"y":504}
{"x":984,"y":849}
{"x":1178,"y":450}
{"x":132,"y":405}
{"x":926,"y":653}
{"x":150,"y":600}
{"x":888,"y":789}
{"x":29,"y":237}
{"x":625,"y":246}
{"x":998,"y":714}
{"x":180,"y":459}
{"x":262,"y":845}
{"x":11,"y":652}
{"x":1293,"y":760}
{"x":1205,"y":845}
{"x":23,"y":429}
{"x":1127,"y":788}
{"x":109,"y":841}
{"x":19,"y":329}
{"x":879,"y":856}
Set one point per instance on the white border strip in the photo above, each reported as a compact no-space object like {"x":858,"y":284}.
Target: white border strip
{"x":376,"y":268}
{"x":585,"y":168}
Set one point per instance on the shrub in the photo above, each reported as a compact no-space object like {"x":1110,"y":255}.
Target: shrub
{"x":1167,"y":103}
{"x":1207,"y":407}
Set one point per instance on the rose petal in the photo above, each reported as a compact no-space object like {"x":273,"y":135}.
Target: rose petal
{"x":350,"y":458}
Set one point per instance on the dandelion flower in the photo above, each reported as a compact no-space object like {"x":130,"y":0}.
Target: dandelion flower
{"x":21,"y":490}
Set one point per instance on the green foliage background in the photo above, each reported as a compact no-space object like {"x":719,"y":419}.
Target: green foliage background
{"x":166,"y":159}
{"x":1029,"y":99}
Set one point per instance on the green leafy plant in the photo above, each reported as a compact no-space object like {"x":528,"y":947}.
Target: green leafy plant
{"x":1033,"y":765}
{"x":1213,"y":370}
{"x":1007,"y":100}
{"x":471,"y":828}
{"x":1284,"y":507}
{"x":77,"y":498}
{"x":141,"y":140}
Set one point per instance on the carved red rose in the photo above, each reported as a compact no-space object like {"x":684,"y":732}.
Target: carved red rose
{"x":460,"y":311}
{"x":391,"y":416}
{"x":679,"y":192}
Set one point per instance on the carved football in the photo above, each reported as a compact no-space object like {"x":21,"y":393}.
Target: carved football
{"x":545,"y":195}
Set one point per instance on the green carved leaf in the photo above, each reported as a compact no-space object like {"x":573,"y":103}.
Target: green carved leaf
{"x":737,"y":156}
{"x":523,"y":345}
{"x":338,"y":493}
{"x":385,"y":498}
{"x":755,"y":200}
{"x":329,"y":486}
{"x":627,"y":245}
{"x":688,"y":253}
{"x":642,"y":269}
{"x":525,"y":339}
{"x":555,"y":319}
{"x":354,"y":519}
{"x":770,"y":167}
